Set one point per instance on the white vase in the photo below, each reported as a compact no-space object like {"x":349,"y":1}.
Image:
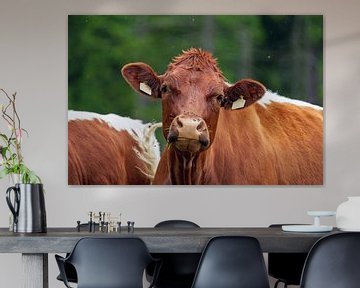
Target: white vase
{"x":348,"y":215}
{"x":14,"y":179}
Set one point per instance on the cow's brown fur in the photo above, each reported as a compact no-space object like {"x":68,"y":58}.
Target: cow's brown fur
{"x":195,"y":59}
{"x":101,"y":155}
{"x":276,"y":143}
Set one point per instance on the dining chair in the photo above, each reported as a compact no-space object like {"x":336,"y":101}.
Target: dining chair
{"x":70,"y":271}
{"x":108,"y":263}
{"x":285,"y":267}
{"x":178,"y":269}
{"x":231,"y":262}
{"x":333,"y":262}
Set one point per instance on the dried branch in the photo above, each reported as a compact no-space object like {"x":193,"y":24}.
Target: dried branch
{"x":10,"y":153}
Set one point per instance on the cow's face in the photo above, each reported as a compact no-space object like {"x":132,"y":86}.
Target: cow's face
{"x":191,"y":101}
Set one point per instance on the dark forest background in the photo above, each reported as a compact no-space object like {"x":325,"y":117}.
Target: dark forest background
{"x":285,"y":53}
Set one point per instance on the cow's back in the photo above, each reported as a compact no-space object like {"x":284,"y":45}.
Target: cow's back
{"x":296,"y":136}
{"x":101,"y":155}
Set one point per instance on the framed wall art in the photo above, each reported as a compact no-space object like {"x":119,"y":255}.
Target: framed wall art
{"x":195,"y":100}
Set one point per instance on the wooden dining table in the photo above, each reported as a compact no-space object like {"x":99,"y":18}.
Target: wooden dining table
{"x":35,"y":247}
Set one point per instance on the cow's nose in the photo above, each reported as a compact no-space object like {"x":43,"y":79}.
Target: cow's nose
{"x":186,"y":129}
{"x":190,"y":125}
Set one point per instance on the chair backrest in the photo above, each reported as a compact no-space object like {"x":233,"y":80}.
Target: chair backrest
{"x":232,"y":262}
{"x":176,"y":224}
{"x":287,"y":267}
{"x":333,"y":262}
{"x":178,"y":269}
{"x":110,"y":262}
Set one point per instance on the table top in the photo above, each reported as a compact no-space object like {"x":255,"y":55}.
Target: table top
{"x":158,"y":240}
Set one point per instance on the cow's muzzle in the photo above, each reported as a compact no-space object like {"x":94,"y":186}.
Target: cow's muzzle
{"x":189,"y":133}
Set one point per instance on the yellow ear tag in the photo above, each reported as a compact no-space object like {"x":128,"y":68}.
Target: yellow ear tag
{"x":240,"y":103}
{"x":145,"y":88}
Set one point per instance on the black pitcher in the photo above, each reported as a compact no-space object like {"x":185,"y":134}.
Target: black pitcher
{"x":28,"y":207}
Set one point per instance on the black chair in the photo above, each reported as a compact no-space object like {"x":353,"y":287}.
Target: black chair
{"x":69,"y":269}
{"x":108,"y":262}
{"x":286,"y":267}
{"x":333,"y":262}
{"x":178,"y":269}
{"x":232,"y":262}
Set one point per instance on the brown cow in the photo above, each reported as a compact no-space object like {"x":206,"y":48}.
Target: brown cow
{"x":229,"y":134}
{"x":110,"y":150}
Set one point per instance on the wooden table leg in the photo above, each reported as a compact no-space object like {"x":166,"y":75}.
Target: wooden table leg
{"x":35,"y":270}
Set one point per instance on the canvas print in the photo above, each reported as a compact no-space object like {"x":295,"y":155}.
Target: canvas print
{"x":195,"y":100}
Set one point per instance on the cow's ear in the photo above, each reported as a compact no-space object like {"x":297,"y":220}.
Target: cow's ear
{"x":142,"y":78}
{"x":243,"y":93}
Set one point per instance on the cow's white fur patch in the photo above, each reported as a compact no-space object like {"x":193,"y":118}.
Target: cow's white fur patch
{"x":115,"y":121}
{"x":271,"y":97}
{"x":144,"y":134}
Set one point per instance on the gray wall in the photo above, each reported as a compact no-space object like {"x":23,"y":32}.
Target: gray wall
{"x":33,"y":62}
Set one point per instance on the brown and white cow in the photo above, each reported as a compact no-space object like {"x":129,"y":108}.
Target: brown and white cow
{"x":229,"y":134}
{"x":110,"y":150}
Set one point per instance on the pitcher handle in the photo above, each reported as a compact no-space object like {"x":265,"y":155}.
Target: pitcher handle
{"x":13,"y":208}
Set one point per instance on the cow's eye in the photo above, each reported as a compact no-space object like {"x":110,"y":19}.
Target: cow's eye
{"x":220,"y":99}
{"x":165,"y":89}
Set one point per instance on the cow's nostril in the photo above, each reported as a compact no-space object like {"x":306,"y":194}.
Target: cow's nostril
{"x":201,"y":126}
{"x":172,"y":136}
{"x":204,"y":141}
{"x":179,"y":123}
